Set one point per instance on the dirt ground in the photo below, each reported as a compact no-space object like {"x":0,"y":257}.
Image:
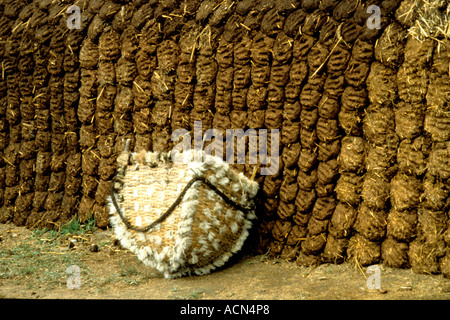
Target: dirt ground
{"x":34,"y":265}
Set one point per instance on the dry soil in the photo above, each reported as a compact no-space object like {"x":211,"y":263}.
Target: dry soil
{"x":33,"y":265}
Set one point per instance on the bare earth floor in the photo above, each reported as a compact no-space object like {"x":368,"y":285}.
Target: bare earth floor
{"x":33,"y":264}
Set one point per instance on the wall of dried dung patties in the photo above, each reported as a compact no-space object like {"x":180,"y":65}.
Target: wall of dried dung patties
{"x":363,"y":115}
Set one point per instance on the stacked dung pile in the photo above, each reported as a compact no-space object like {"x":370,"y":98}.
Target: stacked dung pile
{"x":71,"y":96}
{"x":47,"y":84}
{"x":430,"y":252}
{"x":185,"y":79}
{"x":101,"y":157}
{"x":362,"y":113}
{"x":5,"y":29}
{"x":382,"y":143}
{"x":88,"y":59}
{"x":57,"y":87}
{"x":18,"y":114}
{"x":419,"y":193}
{"x":285,"y":58}
{"x":31,"y":110}
{"x":282,"y":112}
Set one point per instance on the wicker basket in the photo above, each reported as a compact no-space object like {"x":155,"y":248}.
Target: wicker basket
{"x":180,"y":217}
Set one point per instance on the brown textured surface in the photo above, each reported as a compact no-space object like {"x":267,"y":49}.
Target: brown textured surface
{"x":363,"y":115}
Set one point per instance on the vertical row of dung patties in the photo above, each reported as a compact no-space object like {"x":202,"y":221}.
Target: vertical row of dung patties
{"x":382,"y":142}
{"x":90,"y":157}
{"x":71,"y":97}
{"x":20,"y":153}
{"x":347,"y":106}
{"x":413,"y":148}
{"x":9,"y":16}
{"x":40,"y":102}
{"x":430,"y":154}
{"x":52,"y":205}
{"x":327,"y":61}
{"x":18,"y":147}
{"x":434,"y":221}
{"x":285,"y":75}
{"x":109,"y":48}
{"x":313,"y":54}
{"x":5,"y":28}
